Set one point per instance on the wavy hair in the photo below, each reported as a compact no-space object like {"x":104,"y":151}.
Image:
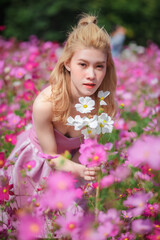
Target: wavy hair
{"x":86,"y":34}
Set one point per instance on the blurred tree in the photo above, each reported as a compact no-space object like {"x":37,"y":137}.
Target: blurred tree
{"x":51,"y":19}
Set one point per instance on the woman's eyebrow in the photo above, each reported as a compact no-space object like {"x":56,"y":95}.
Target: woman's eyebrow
{"x":88,"y":61}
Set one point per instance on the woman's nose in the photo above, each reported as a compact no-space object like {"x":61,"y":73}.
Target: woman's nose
{"x":91,"y":73}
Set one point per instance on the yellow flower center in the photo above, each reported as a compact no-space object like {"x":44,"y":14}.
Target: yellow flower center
{"x":102,"y":98}
{"x":20,"y":74}
{"x":151,"y":208}
{"x":104,"y":121}
{"x":89,"y":131}
{"x":122,"y":104}
{"x":71,"y":226}
{"x":34,"y":227}
{"x":37,"y":204}
{"x":101,"y":125}
{"x":149,"y":169}
{"x":126,"y":239}
{"x":1,"y":162}
{"x":10,"y":139}
{"x":4,"y":190}
{"x":62,"y":185}
{"x":157,"y":226}
{"x":141,"y":204}
{"x":59,"y":205}
{"x":126,"y":216}
{"x":146,"y":154}
{"x":85,"y":105}
{"x":95,"y":158}
{"x":29,"y":166}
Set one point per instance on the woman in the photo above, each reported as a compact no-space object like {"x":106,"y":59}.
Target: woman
{"x":84,"y":68}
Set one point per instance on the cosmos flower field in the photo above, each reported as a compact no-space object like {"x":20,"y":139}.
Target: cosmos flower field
{"x":124,"y":202}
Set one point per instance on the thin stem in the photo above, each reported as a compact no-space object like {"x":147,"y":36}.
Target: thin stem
{"x":97,"y":196}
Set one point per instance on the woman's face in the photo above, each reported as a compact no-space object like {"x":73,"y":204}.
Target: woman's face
{"x":87,"y":70}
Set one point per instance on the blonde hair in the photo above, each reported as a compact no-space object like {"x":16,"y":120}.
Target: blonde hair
{"x":86,"y":34}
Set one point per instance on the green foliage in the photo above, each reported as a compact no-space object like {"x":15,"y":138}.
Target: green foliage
{"x":51,"y":20}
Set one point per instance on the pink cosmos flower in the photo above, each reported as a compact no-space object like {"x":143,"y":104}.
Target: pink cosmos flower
{"x":106,"y":181}
{"x":61,"y":181}
{"x":12,"y":138}
{"x":141,"y":152}
{"x":13,"y":119}
{"x":151,"y":210}
{"x":28,"y":96}
{"x":1,"y":66}
{"x":112,"y":216}
{"x":137,"y":202}
{"x":127,"y":236}
{"x":60,"y":200}
{"x":3,"y":107}
{"x":92,"y":153}
{"x":30,"y":164}
{"x":28,"y":84}
{"x":19,"y":72}
{"x":121,"y":172}
{"x":154,"y":236}
{"x":4,"y":188}
{"x":2,"y":159}
{"x":30,"y":227}
{"x":126,"y":214}
{"x":141,"y":226}
{"x":105,"y":230}
{"x":69,"y":225}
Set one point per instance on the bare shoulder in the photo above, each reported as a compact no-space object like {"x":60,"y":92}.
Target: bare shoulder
{"x":42,"y":106}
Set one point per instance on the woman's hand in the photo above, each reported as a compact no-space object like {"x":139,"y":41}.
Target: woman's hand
{"x":90,"y":173}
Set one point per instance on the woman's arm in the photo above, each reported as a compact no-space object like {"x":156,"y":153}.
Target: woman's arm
{"x":42,"y":117}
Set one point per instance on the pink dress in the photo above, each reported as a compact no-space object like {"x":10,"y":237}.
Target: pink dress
{"x":28,"y":149}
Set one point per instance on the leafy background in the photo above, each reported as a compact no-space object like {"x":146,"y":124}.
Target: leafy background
{"x":50,"y":19}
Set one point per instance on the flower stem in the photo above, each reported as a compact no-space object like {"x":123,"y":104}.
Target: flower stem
{"x":97,"y":195}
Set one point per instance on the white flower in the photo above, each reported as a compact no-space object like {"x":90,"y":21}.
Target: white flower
{"x":88,"y":132}
{"x":105,"y":124}
{"x":102,"y":95}
{"x":86,"y":105}
{"x":78,"y":122}
{"x":93,"y":122}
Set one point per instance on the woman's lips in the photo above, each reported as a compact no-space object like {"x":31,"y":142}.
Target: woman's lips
{"x":89,"y":85}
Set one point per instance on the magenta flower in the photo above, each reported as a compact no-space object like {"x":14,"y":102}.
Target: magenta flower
{"x":60,"y":200}
{"x":19,"y":72}
{"x":13,"y":119}
{"x":30,"y":164}
{"x":121,"y":172}
{"x":106,"y":181}
{"x":28,"y":84}
{"x":141,"y":152}
{"x":69,"y":225}
{"x":60,"y":192}
{"x":154,"y":236}
{"x":61,"y":181}
{"x":2,"y":159}
{"x":92,"y":153}
{"x":5,"y":188}
{"x":126,"y":214}
{"x":151,"y":210}
{"x":30,"y":227}
{"x":137,"y":202}
{"x":11,"y":138}
{"x":141,"y":226}
{"x":105,"y":231}
{"x":127,"y":236}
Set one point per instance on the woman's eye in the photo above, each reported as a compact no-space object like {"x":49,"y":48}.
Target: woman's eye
{"x":100,"y":66}
{"x":82,"y":64}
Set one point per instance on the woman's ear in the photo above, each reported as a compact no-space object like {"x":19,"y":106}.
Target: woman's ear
{"x":67,"y":66}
